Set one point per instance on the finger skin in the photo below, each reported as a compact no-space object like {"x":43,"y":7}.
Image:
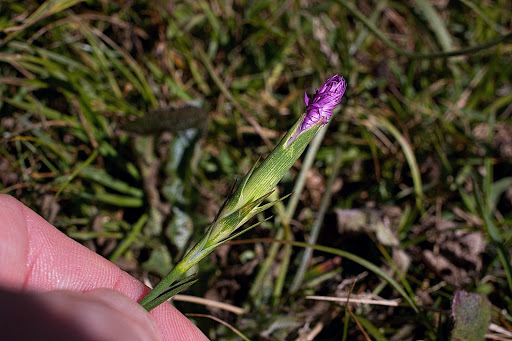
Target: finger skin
{"x":36,"y":256}
{"x":62,"y":315}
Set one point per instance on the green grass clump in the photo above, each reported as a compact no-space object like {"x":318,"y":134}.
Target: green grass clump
{"x":407,"y":194}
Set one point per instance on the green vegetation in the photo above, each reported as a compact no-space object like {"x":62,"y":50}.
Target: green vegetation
{"x":407,"y":194}
{"x":472,"y":313}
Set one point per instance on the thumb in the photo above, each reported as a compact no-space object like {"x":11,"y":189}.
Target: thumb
{"x":99,"y":314}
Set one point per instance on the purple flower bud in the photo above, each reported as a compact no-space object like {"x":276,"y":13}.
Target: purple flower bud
{"x":322,"y":104}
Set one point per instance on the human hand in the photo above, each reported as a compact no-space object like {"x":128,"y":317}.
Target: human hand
{"x":53,"y":288}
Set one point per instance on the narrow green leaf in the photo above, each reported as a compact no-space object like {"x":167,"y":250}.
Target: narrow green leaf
{"x":130,"y":239}
{"x":179,"y":287}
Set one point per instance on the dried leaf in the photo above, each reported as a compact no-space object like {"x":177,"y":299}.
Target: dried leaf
{"x":455,"y":254}
{"x":171,"y":119}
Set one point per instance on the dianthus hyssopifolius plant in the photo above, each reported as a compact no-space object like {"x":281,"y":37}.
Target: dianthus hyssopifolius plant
{"x":254,"y":188}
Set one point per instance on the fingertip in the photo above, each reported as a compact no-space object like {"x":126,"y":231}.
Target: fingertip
{"x":174,"y":325}
{"x":13,"y":242}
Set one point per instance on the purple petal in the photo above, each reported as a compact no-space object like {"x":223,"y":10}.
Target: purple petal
{"x":324,"y":101}
{"x":320,"y":107}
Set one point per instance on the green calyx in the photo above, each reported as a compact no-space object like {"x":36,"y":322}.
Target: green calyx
{"x":262,"y":179}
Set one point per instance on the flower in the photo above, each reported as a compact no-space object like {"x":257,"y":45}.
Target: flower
{"x":323,"y":103}
{"x":248,"y":200}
